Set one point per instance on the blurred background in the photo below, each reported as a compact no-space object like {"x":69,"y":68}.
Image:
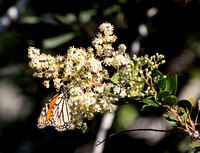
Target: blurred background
{"x":169,"y":27}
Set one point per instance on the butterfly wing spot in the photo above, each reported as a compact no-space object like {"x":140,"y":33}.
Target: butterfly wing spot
{"x":63,"y":128}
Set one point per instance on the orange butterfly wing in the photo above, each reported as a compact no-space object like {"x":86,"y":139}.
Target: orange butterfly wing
{"x":51,"y":104}
{"x":56,"y":113}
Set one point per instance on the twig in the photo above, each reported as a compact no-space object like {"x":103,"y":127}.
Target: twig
{"x":146,"y":81}
{"x":174,"y":112}
{"x":12,"y":14}
{"x":133,"y":130}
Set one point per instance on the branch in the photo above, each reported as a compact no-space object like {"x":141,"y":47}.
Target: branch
{"x":133,"y":130}
{"x":12,"y":14}
{"x":174,"y":112}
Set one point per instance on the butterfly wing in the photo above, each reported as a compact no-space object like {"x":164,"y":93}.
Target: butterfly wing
{"x":61,"y":113}
{"x":56,"y":113}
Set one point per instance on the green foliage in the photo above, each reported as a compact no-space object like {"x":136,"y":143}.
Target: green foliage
{"x":30,"y":20}
{"x":171,"y":100}
{"x":171,"y":84}
{"x":171,"y":119}
{"x":163,"y":95}
{"x":167,"y":98}
{"x":37,"y":30}
{"x":115,"y":78}
{"x":56,"y":41}
{"x":185,"y":106}
{"x":149,"y":86}
{"x":149,"y":102}
{"x":160,"y":83}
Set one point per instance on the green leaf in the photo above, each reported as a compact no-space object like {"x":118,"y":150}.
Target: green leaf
{"x":170,"y":100}
{"x":180,"y":110}
{"x":171,"y":84}
{"x":148,"y":103}
{"x":67,"y":19}
{"x":191,"y":100}
{"x":30,"y":20}
{"x":86,"y":15}
{"x":111,"y":10}
{"x":115,"y":78}
{"x":163,"y":95}
{"x":144,"y":107}
{"x":171,"y":119}
{"x":168,"y":84}
{"x":161,"y":83}
{"x":184,"y":106}
{"x":184,"y":117}
{"x":58,"y":40}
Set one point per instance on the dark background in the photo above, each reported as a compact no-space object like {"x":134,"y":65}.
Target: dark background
{"x":174,"y":31}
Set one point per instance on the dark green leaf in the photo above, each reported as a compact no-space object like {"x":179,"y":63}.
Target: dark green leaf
{"x":171,"y":84}
{"x":185,"y":106}
{"x":170,"y":100}
{"x":161,"y":83}
{"x":163,"y":95}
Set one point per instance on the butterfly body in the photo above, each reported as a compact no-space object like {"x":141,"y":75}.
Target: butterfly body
{"x":56,"y":112}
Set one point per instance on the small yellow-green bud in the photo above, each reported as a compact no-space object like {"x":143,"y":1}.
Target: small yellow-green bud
{"x":163,"y":61}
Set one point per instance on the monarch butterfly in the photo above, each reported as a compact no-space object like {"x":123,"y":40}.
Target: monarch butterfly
{"x":56,"y":112}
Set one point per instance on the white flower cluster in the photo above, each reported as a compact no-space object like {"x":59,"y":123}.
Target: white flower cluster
{"x":83,"y":74}
{"x":103,"y":45}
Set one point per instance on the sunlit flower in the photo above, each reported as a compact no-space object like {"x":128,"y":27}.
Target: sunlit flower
{"x":84,"y":74}
{"x":46,"y":83}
